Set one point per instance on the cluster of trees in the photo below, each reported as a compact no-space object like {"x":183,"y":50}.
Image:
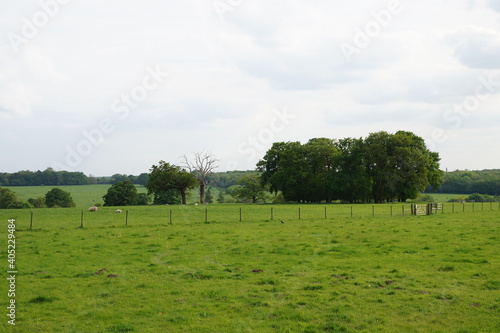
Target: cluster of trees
{"x":52,"y":199}
{"x":49,"y":177}
{"x":469,"y":182}
{"x":142,"y":179}
{"x":381,"y":167}
{"x":167,"y":181}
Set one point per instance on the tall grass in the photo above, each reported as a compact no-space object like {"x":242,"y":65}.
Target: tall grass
{"x":337,"y":274}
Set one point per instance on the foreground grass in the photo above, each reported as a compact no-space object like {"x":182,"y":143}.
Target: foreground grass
{"x":340,"y":274}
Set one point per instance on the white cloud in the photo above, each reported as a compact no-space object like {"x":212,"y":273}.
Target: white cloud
{"x":477,"y":47}
{"x":227,"y":76}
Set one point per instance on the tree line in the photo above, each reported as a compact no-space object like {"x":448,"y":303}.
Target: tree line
{"x":48,"y":177}
{"x":468,"y":182}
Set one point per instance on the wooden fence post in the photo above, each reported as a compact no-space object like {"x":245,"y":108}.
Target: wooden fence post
{"x":391,"y":210}
{"x":299,"y":213}
{"x":272,"y":213}
{"x":31,"y":221}
{"x":171,"y":217}
{"x":206,"y":215}
{"x":240,"y":214}
{"x":325,"y":213}
{"x":351,"y":211}
{"x":126,"y":217}
{"x":373,"y":210}
{"x":81,"y":221}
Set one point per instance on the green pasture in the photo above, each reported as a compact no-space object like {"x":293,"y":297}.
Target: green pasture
{"x":83,"y":195}
{"x":436,"y":273}
{"x":89,"y":195}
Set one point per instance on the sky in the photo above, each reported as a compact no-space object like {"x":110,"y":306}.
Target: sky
{"x":107,"y":87}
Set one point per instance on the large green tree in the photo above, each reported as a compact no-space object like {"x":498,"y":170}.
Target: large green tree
{"x":164,"y":177}
{"x":58,"y":198}
{"x":284,"y":168}
{"x":122,"y":193}
{"x":400,"y":166}
{"x":321,"y":156}
{"x":351,"y":180}
{"x":250,"y":188}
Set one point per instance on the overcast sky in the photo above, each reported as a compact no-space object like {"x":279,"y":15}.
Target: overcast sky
{"x":112,"y":86}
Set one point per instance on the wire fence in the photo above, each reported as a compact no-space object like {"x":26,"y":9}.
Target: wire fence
{"x":46,"y":219}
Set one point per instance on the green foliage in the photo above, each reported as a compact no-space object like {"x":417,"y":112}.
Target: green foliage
{"x":285,"y":168}
{"x":208,"y":196}
{"x":168,"y":197}
{"x":382,"y":167}
{"x":220,"y":197}
{"x":47,"y":177}
{"x":123,"y":193}
{"x":7,"y":198}
{"x":142,"y":179}
{"x":469,"y":182}
{"x":426,"y":198}
{"x":164,"y":177}
{"x":143,"y":199}
{"x":250,"y":188}
{"x":58,"y":197}
{"x":38,"y":202}
{"x":476,"y":197}
{"x":400,"y":166}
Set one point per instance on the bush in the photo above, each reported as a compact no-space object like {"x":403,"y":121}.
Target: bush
{"x":121,"y":194}
{"x":143,"y":199}
{"x":37,"y":203}
{"x":59,"y":198}
{"x":426,"y":198}
{"x":279,"y":199}
{"x":476,"y":197}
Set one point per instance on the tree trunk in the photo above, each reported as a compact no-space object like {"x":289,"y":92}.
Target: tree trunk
{"x":202,"y":192}
{"x":183,"y":196}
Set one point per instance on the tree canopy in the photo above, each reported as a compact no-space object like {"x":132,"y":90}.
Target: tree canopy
{"x":381,"y":167}
{"x":165,"y":177}
{"x":58,"y":198}
{"x":123,"y":193}
{"x":250,"y":188}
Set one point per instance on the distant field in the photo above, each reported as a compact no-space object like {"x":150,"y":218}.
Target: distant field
{"x":88,"y":195}
{"x":435,"y":273}
{"x":444,"y":197}
{"x":83,"y":195}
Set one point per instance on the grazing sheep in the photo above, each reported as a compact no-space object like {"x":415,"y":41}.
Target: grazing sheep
{"x":118,"y":211}
{"x":93,"y":209}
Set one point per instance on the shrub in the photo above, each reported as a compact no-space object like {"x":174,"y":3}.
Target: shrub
{"x":59,"y":198}
{"x":426,"y":198}
{"x":476,"y":197}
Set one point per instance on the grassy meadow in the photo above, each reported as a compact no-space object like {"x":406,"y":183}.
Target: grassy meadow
{"x":364,"y":273}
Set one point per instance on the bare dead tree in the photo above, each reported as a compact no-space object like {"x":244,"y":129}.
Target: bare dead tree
{"x":202,"y":164}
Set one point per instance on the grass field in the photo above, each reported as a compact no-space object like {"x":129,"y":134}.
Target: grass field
{"x":83,"y":195}
{"x":89,"y":195}
{"x":435,"y":273}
